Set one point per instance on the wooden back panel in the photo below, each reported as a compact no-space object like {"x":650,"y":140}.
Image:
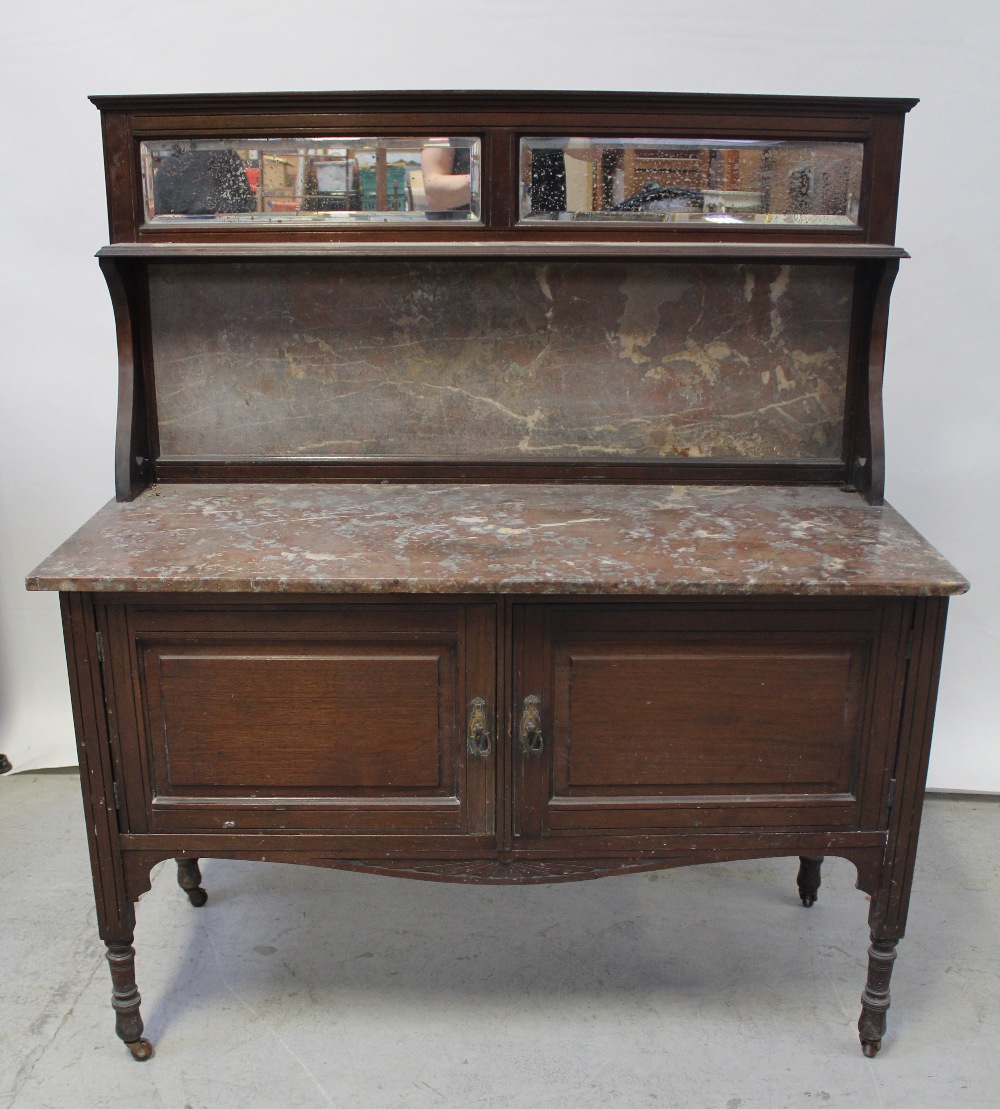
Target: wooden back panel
{"x":537,"y":362}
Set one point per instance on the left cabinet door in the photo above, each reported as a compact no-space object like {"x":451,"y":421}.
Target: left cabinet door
{"x":322,"y":716}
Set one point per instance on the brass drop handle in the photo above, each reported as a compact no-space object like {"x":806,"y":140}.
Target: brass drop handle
{"x":479,"y":735}
{"x":531,"y":726}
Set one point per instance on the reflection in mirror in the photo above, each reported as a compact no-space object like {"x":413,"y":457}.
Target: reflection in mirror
{"x":265,"y":181}
{"x":694,"y":181}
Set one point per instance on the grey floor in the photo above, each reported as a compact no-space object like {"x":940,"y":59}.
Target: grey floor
{"x":705,"y":987}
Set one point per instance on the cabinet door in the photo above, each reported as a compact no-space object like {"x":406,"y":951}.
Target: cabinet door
{"x":349,"y":718}
{"x":646,"y":719}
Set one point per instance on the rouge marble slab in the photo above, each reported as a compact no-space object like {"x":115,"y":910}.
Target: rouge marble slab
{"x":503,"y":359}
{"x":551,"y":539}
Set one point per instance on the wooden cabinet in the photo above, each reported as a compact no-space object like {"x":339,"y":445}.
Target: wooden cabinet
{"x":536,"y":537}
{"x":625,"y":720}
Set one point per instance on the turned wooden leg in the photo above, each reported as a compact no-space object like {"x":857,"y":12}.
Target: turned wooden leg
{"x":125,"y":999}
{"x":809,"y":878}
{"x":875,"y":999}
{"x":189,"y":879}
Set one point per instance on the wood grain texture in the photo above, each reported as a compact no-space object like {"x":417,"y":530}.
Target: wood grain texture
{"x":545,"y":101}
{"x":509,"y":247}
{"x":340,"y":717}
{"x":874,"y":484}
{"x":532,"y":471}
{"x":490,"y":870}
{"x":658,"y":675}
{"x":499,"y":118}
{"x":132,"y":452}
{"x":299,"y":719}
{"x":736,"y":716}
{"x":119,"y":169}
{"x":699,"y":717}
{"x":919,"y":697}
{"x":115,"y":916}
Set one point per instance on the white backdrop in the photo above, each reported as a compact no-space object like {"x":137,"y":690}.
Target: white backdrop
{"x":58,"y":368}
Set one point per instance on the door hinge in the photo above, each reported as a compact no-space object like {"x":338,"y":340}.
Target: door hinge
{"x":114,"y":790}
{"x":892,"y":791}
{"x":100,"y":649}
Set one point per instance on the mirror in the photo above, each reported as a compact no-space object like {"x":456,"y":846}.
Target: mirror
{"x":341,"y":180}
{"x":695,"y":181}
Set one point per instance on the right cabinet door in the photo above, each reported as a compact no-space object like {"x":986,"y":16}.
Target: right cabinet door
{"x":639,"y":719}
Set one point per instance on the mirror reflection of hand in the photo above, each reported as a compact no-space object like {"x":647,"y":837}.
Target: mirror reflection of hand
{"x":445,"y":190}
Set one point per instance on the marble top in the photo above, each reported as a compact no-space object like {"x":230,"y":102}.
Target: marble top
{"x":594,"y":539}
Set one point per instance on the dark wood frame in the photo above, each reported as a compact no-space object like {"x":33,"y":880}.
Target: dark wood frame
{"x":901,"y":655}
{"x":861,"y":465}
{"x":882,"y":847}
{"x":501,"y":118}
{"x":905,"y":712}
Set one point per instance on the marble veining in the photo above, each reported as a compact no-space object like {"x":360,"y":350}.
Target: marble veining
{"x":500,"y":359}
{"x":550,"y":539}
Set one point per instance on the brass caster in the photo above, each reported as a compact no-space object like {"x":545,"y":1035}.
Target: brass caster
{"x":870,"y":1048}
{"x":197,"y":896}
{"x":141,"y":1050}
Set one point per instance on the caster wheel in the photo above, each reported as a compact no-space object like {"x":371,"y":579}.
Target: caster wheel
{"x":808,"y":900}
{"x":870,"y":1048}
{"x":141,"y":1050}
{"x":197,"y":897}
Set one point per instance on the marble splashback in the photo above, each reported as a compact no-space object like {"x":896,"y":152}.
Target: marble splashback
{"x":500,"y":359}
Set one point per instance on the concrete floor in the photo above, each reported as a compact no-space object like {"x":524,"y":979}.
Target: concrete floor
{"x":706,"y":987}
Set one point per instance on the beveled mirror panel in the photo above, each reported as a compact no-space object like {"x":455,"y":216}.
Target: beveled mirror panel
{"x":691,"y":181}
{"x":398,"y":180}
{"x":507,"y":360}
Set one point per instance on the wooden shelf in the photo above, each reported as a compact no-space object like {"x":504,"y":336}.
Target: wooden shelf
{"x":506,"y":248}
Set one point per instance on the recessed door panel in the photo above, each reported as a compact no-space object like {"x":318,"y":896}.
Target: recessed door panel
{"x":335,"y":717}
{"x":745,"y":715}
{"x":307,"y":720}
{"x":680,"y":715}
